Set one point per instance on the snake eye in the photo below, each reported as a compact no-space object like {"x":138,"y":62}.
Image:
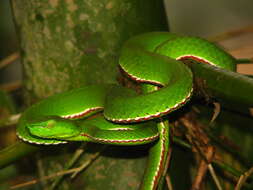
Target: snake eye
{"x":50,"y":123}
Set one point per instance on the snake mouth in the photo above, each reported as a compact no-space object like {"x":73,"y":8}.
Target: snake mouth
{"x":40,"y":143}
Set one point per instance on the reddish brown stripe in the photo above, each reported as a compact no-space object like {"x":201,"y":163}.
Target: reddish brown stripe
{"x":149,"y":117}
{"x":161,"y":163}
{"x":83,"y":113}
{"x":139,"y":79}
{"x":195,"y":58}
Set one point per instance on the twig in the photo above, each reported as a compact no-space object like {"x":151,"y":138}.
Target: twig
{"x":218,"y":163}
{"x":164,"y":173}
{"x":232,"y":173}
{"x":228,"y":145}
{"x":195,"y":131}
{"x":11,"y":120}
{"x":244,"y":60}
{"x":8,"y":60}
{"x":243,"y":178}
{"x":251,"y":111}
{"x":216,"y":111}
{"x":70,"y":164}
{"x":11,"y":86}
{"x":231,"y":34}
{"x":60,"y":173}
{"x":167,"y":162}
{"x":214,"y":176}
{"x":88,"y":162}
{"x":181,"y":142}
{"x":168,"y":181}
{"x":32,"y":182}
{"x":41,"y":171}
{"x":203,"y":167}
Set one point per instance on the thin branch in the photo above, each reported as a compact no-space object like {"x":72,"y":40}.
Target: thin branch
{"x":167,"y":162}
{"x":233,"y":173}
{"x":251,"y":111}
{"x":216,"y":111}
{"x":70,"y":164}
{"x":11,"y":120}
{"x":203,"y":167}
{"x":164,"y":173}
{"x":87,"y":163}
{"x":244,"y":60}
{"x":10,"y":59}
{"x":9,"y":87}
{"x":231,"y":34}
{"x":35,"y":181}
{"x":168,"y":181}
{"x":214,"y":176}
{"x":41,"y":171}
{"x":229,"y":147}
{"x":243,"y":178}
{"x":73,"y":171}
{"x":210,"y":82}
{"x":195,"y":131}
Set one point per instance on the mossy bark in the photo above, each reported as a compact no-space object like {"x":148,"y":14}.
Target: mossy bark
{"x":70,"y":43}
{"x":67,"y":44}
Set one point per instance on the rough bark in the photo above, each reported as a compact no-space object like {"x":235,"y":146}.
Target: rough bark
{"x":69,"y":43}
{"x":66,"y":44}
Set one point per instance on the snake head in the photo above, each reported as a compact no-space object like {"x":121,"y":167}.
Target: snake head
{"x":53,"y":127}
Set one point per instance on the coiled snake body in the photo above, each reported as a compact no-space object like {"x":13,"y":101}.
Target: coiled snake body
{"x":153,"y":59}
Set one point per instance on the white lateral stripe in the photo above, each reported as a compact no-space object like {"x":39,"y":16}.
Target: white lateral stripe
{"x":120,"y":120}
{"x":40,"y":143}
{"x":140,"y":79}
{"x":161,"y":159}
{"x":197,"y":57}
{"x":82,"y":113}
{"x":123,"y":141}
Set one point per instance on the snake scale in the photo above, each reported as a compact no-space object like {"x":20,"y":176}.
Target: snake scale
{"x":155,"y":60}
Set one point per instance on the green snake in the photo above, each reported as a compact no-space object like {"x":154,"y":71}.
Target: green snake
{"x":155,"y":60}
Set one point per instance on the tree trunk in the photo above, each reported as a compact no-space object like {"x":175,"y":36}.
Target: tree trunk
{"x":67,"y":44}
